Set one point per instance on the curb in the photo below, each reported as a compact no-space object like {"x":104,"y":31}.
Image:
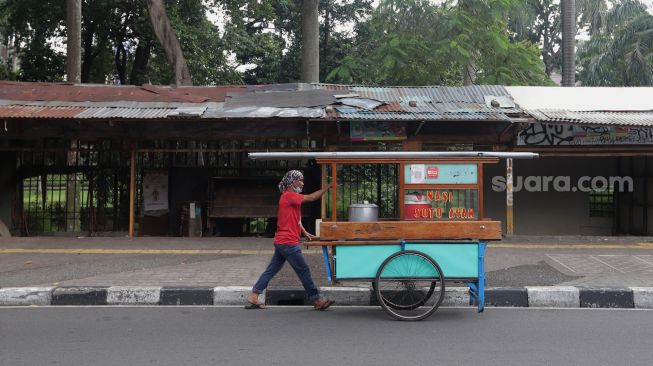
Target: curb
{"x":530,"y":296}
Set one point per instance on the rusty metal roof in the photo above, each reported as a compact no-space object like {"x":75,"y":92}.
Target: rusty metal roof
{"x":348,"y":114}
{"x":315,"y":101}
{"x":423,"y":103}
{"x":632,"y":118}
{"x":434,"y":94}
{"x":22,"y":111}
{"x":26,"y":91}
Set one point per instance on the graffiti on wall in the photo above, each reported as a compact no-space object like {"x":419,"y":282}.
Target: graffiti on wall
{"x":542,"y":134}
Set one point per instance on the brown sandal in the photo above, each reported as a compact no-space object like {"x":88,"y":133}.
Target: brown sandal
{"x":255,"y":305}
{"x":322,"y":304}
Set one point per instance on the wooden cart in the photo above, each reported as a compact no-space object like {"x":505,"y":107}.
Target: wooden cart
{"x":440,"y":235}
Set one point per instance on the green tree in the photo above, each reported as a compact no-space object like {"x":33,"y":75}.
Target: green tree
{"x":202,"y":44}
{"x":419,"y":42}
{"x":118,"y":43}
{"x":620,"y":52}
{"x":257,"y":43}
{"x":265,"y":36}
{"x":538,"y":22}
{"x":33,"y":24}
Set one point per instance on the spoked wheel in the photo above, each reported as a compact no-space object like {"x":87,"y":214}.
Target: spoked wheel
{"x":419,"y":303}
{"x":409,"y":285}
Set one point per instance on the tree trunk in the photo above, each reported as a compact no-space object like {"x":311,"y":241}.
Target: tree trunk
{"x":327,"y":33}
{"x":568,"y":13}
{"x":89,"y":56}
{"x":74,"y":41}
{"x":168,"y":39}
{"x":141,"y":58}
{"x":310,"y":42}
{"x":120,"y":60}
{"x":469,"y":74}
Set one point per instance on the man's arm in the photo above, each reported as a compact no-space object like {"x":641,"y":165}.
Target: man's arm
{"x":316,"y":195}
{"x":308,"y":235}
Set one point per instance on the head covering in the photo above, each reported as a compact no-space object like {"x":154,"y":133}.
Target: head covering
{"x":289,"y":178}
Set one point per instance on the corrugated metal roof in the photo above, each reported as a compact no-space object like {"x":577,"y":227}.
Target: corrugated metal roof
{"x":21,"y":111}
{"x":428,"y":102}
{"x":368,"y":104}
{"x":583,"y":98}
{"x":267,"y":112}
{"x":196,"y":111}
{"x":390,"y":107}
{"x":137,"y":113}
{"x":123,"y":104}
{"x":284,"y":100}
{"x":14,"y":90}
{"x":347,"y":114}
{"x":644,"y":119}
{"x":434,"y":94}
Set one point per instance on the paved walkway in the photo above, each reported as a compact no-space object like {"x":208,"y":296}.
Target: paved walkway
{"x":150,"y":261}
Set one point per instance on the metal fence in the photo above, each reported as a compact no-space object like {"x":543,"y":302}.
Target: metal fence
{"x":83,"y":186}
{"x":374,"y":183}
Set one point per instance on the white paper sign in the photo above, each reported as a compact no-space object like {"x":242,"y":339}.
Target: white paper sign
{"x":155,"y":192}
{"x":417,"y":173}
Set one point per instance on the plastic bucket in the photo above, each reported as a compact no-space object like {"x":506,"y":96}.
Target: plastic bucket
{"x":417,"y":210}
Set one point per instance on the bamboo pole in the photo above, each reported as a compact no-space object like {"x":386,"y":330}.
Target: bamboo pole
{"x":324,"y":196}
{"x":132,"y":179}
{"x":509,"y":207}
{"x":334,"y":187}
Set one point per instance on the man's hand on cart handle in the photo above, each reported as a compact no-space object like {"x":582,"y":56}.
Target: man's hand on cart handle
{"x":310,"y":236}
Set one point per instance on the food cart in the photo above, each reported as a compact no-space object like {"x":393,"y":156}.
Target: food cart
{"x":439,"y":236}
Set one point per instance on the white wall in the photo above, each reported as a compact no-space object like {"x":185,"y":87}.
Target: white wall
{"x":550,"y":213}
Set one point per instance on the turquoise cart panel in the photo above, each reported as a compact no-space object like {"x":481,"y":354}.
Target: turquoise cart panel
{"x":457,"y":260}
{"x":440,"y":174}
{"x":361,"y":261}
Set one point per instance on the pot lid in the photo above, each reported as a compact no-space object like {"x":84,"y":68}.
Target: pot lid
{"x":363,"y":205}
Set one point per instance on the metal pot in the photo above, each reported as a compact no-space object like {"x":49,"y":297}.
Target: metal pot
{"x":363,"y":212}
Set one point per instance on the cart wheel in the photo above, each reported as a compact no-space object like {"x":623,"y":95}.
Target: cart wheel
{"x":409,"y":285}
{"x":421,"y":302}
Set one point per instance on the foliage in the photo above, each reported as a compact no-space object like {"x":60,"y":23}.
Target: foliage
{"x":265,"y":36}
{"x":32,"y":24}
{"x":620,"y":52}
{"x":257,"y":49}
{"x":538,"y":22}
{"x":419,"y":42}
{"x":117,"y":41}
{"x":400,"y":42}
{"x":202,"y":44}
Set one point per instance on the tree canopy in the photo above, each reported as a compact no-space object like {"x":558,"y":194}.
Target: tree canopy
{"x":396,"y":42}
{"x":620,"y":49}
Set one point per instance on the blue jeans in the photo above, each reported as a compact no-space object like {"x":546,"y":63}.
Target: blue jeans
{"x":292,"y":254}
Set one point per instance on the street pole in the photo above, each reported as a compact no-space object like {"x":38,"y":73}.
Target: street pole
{"x":509,"y":212}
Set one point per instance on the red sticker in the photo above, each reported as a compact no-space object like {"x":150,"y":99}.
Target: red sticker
{"x":432,"y":172}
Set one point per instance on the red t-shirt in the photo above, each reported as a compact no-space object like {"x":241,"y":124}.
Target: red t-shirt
{"x":288,"y":218}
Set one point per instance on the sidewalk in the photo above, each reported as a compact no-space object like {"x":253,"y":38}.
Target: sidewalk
{"x":517,"y":262}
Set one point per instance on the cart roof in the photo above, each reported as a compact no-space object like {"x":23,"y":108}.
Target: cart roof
{"x":418,"y":155}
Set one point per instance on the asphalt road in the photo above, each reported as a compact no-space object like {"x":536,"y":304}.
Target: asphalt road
{"x":300,"y":336}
